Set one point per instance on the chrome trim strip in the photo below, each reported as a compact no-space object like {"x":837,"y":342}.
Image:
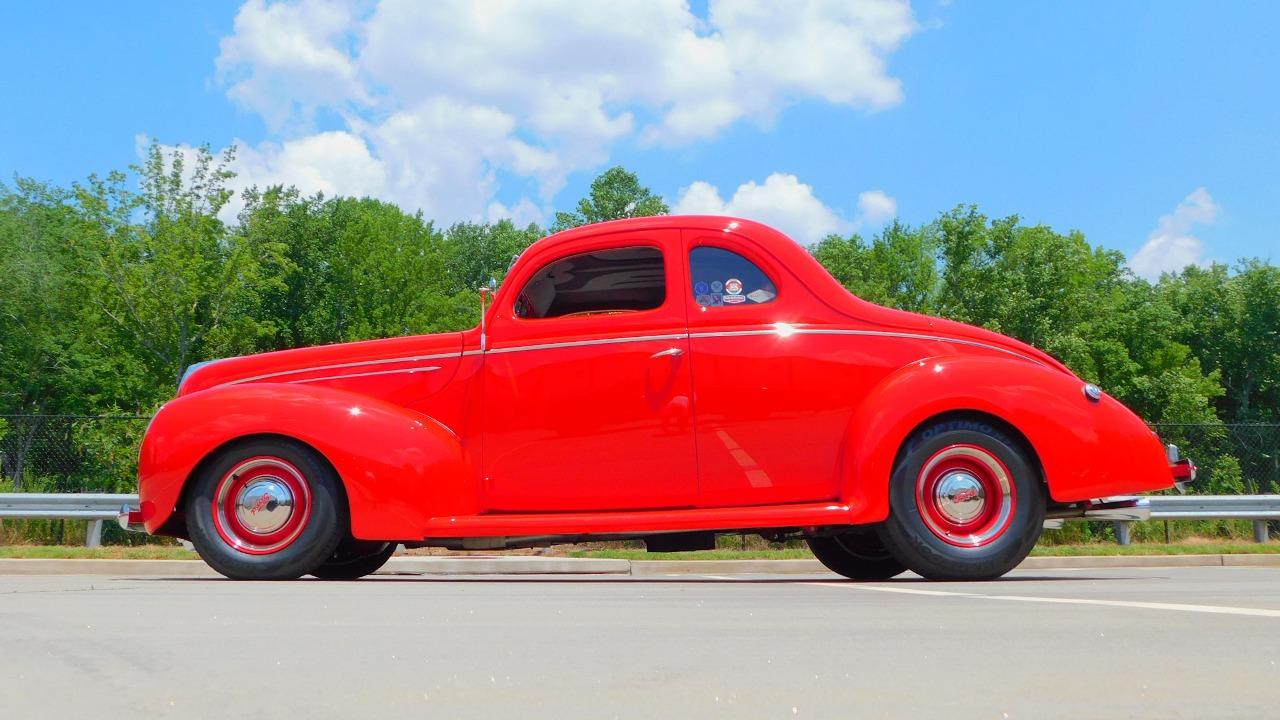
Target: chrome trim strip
{"x":872,"y":333}
{"x":429,"y":368}
{"x":581,"y":343}
{"x":339,"y":366}
{"x":607,"y":341}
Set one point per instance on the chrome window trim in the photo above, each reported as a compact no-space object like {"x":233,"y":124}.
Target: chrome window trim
{"x":582,"y":343}
{"x":429,"y":368}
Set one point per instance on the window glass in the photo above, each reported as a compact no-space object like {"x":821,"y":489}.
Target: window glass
{"x":605,"y":282}
{"x":722,"y":277}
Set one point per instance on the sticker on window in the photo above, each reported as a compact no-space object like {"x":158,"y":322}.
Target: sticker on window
{"x":734,"y":299}
{"x":760,"y":296}
{"x":733,"y":286}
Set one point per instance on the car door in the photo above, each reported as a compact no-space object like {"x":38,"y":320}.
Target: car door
{"x":587,"y":383}
{"x":769,"y":401}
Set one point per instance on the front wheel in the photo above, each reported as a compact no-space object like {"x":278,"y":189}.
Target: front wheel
{"x":966,"y":502}
{"x":266,"y":509}
{"x":857,"y":554}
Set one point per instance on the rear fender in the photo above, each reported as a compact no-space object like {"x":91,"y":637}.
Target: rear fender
{"x":398,"y":466}
{"x":1086,"y":449}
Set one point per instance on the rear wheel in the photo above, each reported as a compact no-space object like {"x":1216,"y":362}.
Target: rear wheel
{"x":267,"y":509}
{"x":858,"y":554}
{"x":354,"y":559}
{"x":966,"y":502}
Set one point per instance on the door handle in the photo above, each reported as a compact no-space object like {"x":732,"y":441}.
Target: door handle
{"x":669,"y":352}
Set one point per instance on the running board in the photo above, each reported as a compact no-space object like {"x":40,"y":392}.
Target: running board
{"x":638,"y":522}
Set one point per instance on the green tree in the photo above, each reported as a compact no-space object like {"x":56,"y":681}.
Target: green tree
{"x":346,"y":269}
{"x":897,"y":269}
{"x":161,"y":268}
{"x":475,"y":252}
{"x":615,"y":194}
{"x":1232,"y":324}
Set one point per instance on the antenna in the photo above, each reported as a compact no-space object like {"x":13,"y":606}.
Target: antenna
{"x":485,"y":294}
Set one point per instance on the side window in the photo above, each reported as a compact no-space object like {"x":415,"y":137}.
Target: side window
{"x":605,"y":282}
{"x":722,"y":277}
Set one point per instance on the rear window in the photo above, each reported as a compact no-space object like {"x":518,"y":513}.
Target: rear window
{"x":605,"y":282}
{"x":723,"y":277}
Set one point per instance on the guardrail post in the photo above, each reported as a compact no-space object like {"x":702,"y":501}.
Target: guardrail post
{"x":1122,"y":532}
{"x":93,"y":534}
{"x":1260,"y":533}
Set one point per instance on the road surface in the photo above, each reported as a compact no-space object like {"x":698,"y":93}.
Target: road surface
{"x":1154,"y":642}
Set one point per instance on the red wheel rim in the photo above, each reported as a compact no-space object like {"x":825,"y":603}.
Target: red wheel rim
{"x":261,"y":505}
{"x":966,"y":496}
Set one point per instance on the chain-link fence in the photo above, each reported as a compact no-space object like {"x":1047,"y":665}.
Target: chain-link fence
{"x":1233,"y":458}
{"x":61,"y":453}
{"x":70,"y":453}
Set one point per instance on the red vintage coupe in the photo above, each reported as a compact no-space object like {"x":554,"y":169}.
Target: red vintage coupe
{"x":664,"y":379}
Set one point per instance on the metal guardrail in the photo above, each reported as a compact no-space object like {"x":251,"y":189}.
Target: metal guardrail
{"x":97,"y":507}
{"x":94,"y":507}
{"x":1258,"y":508}
{"x":1214,"y":507}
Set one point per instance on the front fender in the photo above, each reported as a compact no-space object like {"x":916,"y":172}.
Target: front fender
{"x":398,"y":466}
{"x":1086,"y":449}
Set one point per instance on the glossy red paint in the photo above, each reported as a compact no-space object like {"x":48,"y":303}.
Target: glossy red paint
{"x":784,"y":413}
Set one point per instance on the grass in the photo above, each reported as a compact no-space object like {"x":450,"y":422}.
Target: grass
{"x":110,"y":552}
{"x":1199,"y":548}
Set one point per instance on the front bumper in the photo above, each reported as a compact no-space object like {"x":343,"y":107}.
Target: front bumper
{"x":130,"y":519}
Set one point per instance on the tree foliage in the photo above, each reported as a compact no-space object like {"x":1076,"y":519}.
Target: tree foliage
{"x":615,"y":194}
{"x":110,"y":288}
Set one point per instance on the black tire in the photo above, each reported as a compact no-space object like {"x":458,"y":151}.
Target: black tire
{"x":858,"y":554}
{"x":926,"y":540}
{"x":220,"y":536}
{"x":354,"y":559}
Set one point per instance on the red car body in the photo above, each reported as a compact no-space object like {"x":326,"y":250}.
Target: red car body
{"x":785,"y":413}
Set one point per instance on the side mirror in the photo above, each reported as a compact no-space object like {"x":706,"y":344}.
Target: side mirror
{"x":493,"y":284}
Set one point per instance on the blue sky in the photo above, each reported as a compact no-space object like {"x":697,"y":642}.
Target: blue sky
{"x":1138,"y":123}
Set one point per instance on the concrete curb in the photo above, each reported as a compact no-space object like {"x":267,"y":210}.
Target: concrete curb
{"x":133,"y":568}
{"x":536,"y":565}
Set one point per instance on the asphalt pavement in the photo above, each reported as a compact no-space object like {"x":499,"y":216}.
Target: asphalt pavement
{"x":1197,"y":642}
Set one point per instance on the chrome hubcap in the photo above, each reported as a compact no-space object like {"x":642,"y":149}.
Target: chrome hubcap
{"x":264,"y":505}
{"x":960,"y":497}
{"x":261,"y":505}
{"x":965,"y":495}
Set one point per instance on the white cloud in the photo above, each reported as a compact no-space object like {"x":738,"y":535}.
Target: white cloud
{"x":285,"y":60}
{"x":1171,"y":246}
{"x":875,"y":208}
{"x":785,"y":203}
{"x":441,"y":97}
{"x":524,"y":212}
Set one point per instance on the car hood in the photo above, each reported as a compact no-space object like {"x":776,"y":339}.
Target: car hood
{"x":279,"y":366}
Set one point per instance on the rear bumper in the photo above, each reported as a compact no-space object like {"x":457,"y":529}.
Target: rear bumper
{"x":1112,"y":508}
{"x":1183,"y":470}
